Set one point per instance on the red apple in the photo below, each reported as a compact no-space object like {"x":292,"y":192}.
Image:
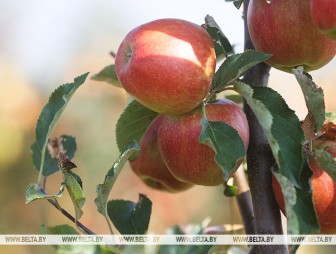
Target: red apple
{"x":150,"y":167}
{"x":324,"y":191}
{"x":167,"y":65}
{"x":285,"y":29}
{"x":324,"y":16}
{"x":187,"y":159}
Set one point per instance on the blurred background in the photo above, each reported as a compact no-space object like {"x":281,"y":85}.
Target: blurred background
{"x":44,"y":44}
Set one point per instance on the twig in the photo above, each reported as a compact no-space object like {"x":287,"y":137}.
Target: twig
{"x":70,"y":217}
{"x":244,"y":201}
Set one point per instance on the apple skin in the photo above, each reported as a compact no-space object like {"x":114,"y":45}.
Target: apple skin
{"x":324,"y":16}
{"x":285,"y":29}
{"x":150,"y":167}
{"x":324,"y":191}
{"x":167,"y":65}
{"x":186,"y":158}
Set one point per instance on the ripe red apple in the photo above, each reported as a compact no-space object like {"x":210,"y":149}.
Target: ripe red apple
{"x":324,"y":16}
{"x":324,"y":191}
{"x":150,"y":167}
{"x":167,"y":65}
{"x":285,"y":29}
{"x":186,"y":158}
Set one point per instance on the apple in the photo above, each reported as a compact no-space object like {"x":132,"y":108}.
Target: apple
{"x":285,"y":29}
{"x":324,"y":16}
{"x":150,"y":167}
{"x":186,"y":158}
{"x":167,"y":65}
{"x":323,"y":191}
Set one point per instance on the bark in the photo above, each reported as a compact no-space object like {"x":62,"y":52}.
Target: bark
{"x":267,"y":217}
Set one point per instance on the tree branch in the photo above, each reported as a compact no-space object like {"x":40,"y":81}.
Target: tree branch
{"x":259,"y":162}
{"x":70,"y":217}
{"x":244,"y":201}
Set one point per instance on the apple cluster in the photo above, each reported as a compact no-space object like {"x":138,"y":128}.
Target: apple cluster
{"x":295,"y":32}
{"x":168,"y":66}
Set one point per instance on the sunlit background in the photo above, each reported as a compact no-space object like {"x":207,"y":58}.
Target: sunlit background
{"x":44,"y":44}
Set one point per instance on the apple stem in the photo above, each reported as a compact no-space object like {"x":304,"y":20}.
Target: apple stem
{"x":204,"y":110}
{"x":259,"y":162}
{"x":113,"y":54}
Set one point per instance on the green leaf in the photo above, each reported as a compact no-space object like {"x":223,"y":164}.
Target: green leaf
{"x":234,"y":66}
{"x":237,"y":98}
{"x":109,"y":75}
{"x":50,"y":166}
{"x":34,"y":192}
{"x":226,"y":142}
{"x":77,"y":177}
{"x":103,"y":190}
{"x":133,"y":123}
{"x":54,"y":108}
{"x":236,"y":3}
{"x":281,"y":126}
{"x":69,"y":146}
{"x":331,"y":117}
{"x":59,"y":230}
{"x":222,"y":44}
{"x":326,"y":161}
{"x":129,"y":217}
{"x":52,"y":112}
{"x":299,"y":206}
{"x":313,"y":95}
{"x":75,"y":191}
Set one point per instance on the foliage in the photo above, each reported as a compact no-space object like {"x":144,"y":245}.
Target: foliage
{"x":284,"y":131}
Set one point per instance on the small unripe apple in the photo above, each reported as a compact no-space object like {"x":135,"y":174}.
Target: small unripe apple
{"x":150,"y":167}
{"x":285,"y":29}
{"x":324,"y":16}
{"x":167,"y":65}
{"x":324,"y":191}
{"x":186,"y":158}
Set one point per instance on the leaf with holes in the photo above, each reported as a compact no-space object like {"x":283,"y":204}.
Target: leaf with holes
{"x":50,"y":165}
{"x":50,"y":114}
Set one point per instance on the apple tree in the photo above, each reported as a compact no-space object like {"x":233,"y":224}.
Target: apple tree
{"x":177,"y":133}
